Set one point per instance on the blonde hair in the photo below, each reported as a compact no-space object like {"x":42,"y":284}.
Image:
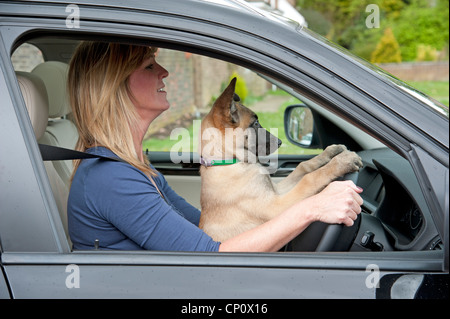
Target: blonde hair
{"x":100,"y":98}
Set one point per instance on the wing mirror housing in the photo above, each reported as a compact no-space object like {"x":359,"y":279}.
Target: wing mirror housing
{"x":299,"y":126}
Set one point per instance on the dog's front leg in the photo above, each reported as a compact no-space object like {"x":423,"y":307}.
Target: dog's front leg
{"x":314,"y":182}
{"x":309,"y":166}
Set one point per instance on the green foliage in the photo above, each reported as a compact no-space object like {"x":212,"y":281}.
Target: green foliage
{"x":420,"y":24}
{"x":426,"y":53}
{"x":414,"y":23}
{"x":317,"y":21}
{"x":340,"y":14}
{"x":241,"y":86}
{"x":392,"y":8}
{"x":387,"y":50}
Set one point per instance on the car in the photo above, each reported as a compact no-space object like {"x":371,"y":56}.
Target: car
{"x":398,"y":248}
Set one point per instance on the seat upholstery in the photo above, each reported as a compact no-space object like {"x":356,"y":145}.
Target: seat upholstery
{"x":35,"y":96}
{"x":60,"y":131}
{"x":36,"y":101}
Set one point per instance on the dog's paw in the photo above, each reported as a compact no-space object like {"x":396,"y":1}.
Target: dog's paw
{"x":348,"y":162}
{"x":357,"y":162}
{"x":335,"y":149}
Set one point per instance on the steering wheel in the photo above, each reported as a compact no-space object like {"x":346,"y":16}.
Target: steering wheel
{"x":327,"y":237}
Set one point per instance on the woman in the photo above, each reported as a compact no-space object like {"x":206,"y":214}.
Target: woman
{"x":116,"y":91}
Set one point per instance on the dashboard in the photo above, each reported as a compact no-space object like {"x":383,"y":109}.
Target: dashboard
{"x":394,"y":215}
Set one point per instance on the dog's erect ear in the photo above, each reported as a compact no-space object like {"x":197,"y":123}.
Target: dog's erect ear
{"x":231,"y":87}
{"x":234,"y":112}
{"x":226,"y":102}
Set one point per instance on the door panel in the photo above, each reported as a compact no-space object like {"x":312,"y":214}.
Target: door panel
{"x":147,"y":274}
{"x":140,"y":280}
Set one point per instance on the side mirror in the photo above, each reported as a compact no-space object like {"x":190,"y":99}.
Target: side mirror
{"x":299,"y":125}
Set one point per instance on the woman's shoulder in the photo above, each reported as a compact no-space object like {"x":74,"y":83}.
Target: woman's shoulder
{"x":109,"y":168}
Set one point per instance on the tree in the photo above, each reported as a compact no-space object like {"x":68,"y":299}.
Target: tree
{"x":387,"y":50}
{"x":241,"y":87}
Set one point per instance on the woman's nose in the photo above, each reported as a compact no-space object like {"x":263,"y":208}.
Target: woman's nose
{"x":163,"y":72}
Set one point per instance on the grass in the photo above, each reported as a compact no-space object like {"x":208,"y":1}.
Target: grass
{"x":181,"y":141}
{"x":275,"y":120}
{"x":439,"y":90}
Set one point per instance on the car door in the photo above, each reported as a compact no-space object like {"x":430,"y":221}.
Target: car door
{"x":36,"y":257}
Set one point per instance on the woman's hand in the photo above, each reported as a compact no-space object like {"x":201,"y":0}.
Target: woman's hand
{"x":338,"y":203}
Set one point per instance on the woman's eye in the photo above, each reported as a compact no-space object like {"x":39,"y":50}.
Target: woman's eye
{"x":149,"y":67}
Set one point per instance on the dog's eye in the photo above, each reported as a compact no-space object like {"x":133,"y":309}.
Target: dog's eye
{"x":256,"y":123}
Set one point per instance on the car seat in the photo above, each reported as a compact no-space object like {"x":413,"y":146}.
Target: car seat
{"x":60,"y":131}
{"x":35,"y":96}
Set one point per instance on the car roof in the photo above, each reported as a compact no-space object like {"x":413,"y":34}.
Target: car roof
{"x":139,"y":4}
{"x":201,"y":8}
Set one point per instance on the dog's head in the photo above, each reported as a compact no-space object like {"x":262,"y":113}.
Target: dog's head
{"x":231,"y":130}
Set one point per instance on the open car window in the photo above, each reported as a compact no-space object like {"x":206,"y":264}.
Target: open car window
{"x":194,"y":83}
{"x":394,"y":209}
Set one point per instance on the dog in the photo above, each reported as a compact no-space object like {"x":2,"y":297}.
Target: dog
{"x":237,"y":193}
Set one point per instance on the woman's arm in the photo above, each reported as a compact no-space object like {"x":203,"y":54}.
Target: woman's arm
{"x":339,"y":203}
{"x":189,"y":212}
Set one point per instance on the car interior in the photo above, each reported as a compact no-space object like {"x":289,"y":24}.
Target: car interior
{"x":395,"y":214}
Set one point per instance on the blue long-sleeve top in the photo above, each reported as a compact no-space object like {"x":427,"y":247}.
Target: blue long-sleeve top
{"x":118,"y":205}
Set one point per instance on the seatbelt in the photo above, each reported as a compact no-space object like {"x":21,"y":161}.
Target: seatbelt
{"x":55,"y":153}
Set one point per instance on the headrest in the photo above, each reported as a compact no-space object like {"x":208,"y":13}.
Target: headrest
{"x":35,"y":97}
{"x":54,"y":75}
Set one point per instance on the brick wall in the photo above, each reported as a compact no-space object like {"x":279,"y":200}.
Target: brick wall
{"x":178,"y":87}
{"x":211,"y":76}
{"x":418,"y":71}
{"x":26,"y":58}
{"x":194,"y":82}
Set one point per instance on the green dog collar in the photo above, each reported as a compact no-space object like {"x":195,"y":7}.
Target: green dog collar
{"x":218,"y":162}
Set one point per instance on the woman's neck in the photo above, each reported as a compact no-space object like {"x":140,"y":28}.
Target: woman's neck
{"x":139,"y":134}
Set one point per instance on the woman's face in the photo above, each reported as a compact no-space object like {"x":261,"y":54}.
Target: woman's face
{"x":147,"y":88}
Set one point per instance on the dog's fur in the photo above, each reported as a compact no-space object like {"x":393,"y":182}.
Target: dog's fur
{"x":236,"y":198}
